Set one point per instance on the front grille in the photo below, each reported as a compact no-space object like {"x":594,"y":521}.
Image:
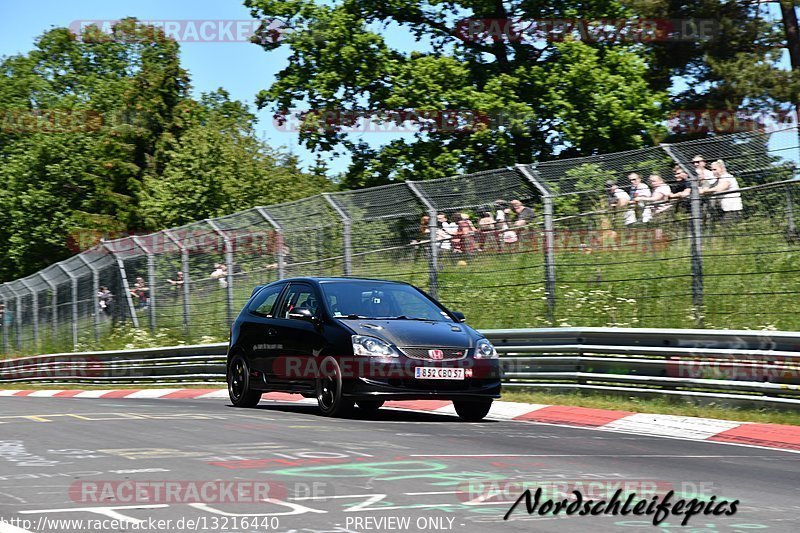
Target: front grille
{"x":450,"y":353}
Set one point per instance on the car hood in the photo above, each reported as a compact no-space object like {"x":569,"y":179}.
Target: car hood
{"x":413,"y":332}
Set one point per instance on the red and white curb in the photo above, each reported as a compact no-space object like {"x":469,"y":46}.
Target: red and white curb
{"x":775,"y":436}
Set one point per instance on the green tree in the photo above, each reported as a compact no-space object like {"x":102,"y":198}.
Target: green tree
{"x":571,"y":98}
{"x":219,"y":167}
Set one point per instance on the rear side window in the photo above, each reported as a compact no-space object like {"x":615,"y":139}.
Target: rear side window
{"x":264,"y":301}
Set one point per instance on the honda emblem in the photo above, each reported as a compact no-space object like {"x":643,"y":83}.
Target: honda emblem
{"x":436,"y":354}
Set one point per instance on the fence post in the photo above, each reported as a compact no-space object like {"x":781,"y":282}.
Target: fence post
{"x":185,"y":270}
{"x":790,"y":210}
{"x":53,"y":303}
{"x":549,"y":240}
{"x":696,"y":230}
{"x":74,"y":283}
{"x":346,"y":234}
{"x":279,"y":239}
{"x":17,"y":317}
{"x":95,"y":290}
{"x":34,"y":312}
{"x":151,"y":274}
{"x":433,"y":257}
{"x":125,"y":286}
{"x":229,"y":264}
{"x":3,"y":328}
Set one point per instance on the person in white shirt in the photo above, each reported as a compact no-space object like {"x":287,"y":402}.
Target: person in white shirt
{"x":639,"y":193}
{"x":445,"y":232}
{"x":731,"y":203}
{"x":661,"y":195}
{"x":706,"y":177}
{"x":619,"y":199}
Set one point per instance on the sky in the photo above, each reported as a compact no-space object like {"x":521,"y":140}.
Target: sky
{"x":242,"y":68}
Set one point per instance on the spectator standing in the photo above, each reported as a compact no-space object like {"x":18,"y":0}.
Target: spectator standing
{"x":730,"y":203}
{"x":466,"y":234}
{"x":176,"y":284}
{"x":104,"y":300}
{"x":141,"y":292}
{"x":619,"y":200}
{"x":639,"y":192}
{"x":445,"y":232}
{"x":524,"y":214}
{"x":681,"y":190}
{"x":221,"y":274}
{"x":504,"y":233}
{"x":660,"y":197}
{"x":704,"y":175}
{"x":486,"y":225}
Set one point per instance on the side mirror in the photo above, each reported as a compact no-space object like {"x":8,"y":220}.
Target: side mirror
{"x":459,"y":316}
{"x":303,"y":313}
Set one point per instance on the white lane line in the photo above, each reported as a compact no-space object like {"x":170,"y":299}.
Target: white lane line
{"x":677,"y":456}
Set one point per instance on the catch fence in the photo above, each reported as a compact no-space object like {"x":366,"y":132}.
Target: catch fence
{"x":720,"y":260}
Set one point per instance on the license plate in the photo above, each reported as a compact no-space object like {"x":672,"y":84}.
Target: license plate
{"x":429,"y":372}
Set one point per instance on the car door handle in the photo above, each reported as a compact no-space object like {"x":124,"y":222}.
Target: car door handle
{"x":272,"y":332}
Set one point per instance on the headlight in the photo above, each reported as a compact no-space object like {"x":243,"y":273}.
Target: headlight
{"x":372,"y":347}
{"x":485,"y":350}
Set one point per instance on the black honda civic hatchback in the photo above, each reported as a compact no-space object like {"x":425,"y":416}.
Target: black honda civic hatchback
{"x":350,"y":341}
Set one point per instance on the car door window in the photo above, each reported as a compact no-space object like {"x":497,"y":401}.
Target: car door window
{"x":300,"y":296}
{"x":264,"y":301}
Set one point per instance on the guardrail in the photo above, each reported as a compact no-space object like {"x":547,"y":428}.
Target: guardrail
{"x":716,"y":365}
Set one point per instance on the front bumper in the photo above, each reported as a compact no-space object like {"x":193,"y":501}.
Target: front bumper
{"x":394,"y":380}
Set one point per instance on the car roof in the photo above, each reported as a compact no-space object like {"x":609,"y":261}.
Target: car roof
{"x":335,"y":279}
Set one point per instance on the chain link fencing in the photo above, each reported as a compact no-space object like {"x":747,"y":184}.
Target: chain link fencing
{"x":572,"y":242}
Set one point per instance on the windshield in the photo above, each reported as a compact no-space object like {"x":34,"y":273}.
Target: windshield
{"x":366,"y":299}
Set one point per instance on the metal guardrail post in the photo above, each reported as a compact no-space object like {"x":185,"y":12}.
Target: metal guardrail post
{"x":279,"y":238}
{"x":696,"y":227}
{"x":151,"y":274}
{"x":185,"y":285}
{"x":95,"y":291}
{"x":125,"y":285}
{"x":74,"y":283}
{"x":34,"y":312}
{"x":346,"y":234}
{"x":433,"y":257}
{"x":229,"y":264}
{"x":549,"y":240}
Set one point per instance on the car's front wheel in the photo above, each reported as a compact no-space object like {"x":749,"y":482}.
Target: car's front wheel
{"x":472,"y":411}
{"x":238,"y":378}
{"x":329,"y":389}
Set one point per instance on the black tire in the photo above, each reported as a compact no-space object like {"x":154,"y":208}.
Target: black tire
{"x":370,"y":405}
{"x":472,"y":411}
{"x":329,"y":390}
{"x":238,"y":377}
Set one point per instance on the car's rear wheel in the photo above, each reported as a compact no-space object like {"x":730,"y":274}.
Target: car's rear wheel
{"x":238,"y":378}
{"x":329,"y":390}
{"x":370,"y":405}
{"x":472,"y":411}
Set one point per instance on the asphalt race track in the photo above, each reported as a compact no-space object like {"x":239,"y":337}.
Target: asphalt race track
{"x":70,"y":459}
